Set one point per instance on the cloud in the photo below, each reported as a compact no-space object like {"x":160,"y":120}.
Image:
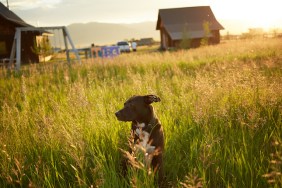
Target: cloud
{"x":33,"y":4}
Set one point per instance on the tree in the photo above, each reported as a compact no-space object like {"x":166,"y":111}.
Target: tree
{"x":207,"y":32}
{"x":186,"y":41}
{"x":42,"y":47}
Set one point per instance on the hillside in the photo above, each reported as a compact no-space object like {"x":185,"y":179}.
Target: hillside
{"x":108,"y":33}
{"x":83,"y":34}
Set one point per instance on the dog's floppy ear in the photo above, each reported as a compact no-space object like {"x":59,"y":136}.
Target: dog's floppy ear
{"x":151,"y":98}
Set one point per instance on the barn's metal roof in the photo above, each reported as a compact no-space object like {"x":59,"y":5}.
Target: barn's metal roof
{"x":9,"y":15}
{"x":176,"y":21}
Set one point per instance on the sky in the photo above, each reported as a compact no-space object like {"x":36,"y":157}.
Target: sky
{"x":258,"y":13}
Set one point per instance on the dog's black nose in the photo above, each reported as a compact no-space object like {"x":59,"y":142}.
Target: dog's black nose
{"x":117,"y":114}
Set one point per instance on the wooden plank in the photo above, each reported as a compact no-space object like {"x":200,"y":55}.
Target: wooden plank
{"x":66,"y":45}
{"x":18,"y":52}
{"x":72,"y":45}
{"x":13,"y":52}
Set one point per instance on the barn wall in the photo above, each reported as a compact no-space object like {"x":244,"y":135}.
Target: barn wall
{"x":194,"y":43}
{"x":216,"y":37}
{"x":166,"y":41}
{"x":7,"y":31}
{"x":7,"y":34}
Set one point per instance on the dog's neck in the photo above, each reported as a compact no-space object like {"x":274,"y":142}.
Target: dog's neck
{"x":147,"y":126}
{"x":140,"y":125}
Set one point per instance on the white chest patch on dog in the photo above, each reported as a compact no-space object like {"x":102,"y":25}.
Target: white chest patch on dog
{"x":144,"y":146}
{"x":144,"y":137}
{"x":140,"y":125}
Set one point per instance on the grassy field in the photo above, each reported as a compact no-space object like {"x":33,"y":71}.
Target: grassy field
{"x":221,"y":112}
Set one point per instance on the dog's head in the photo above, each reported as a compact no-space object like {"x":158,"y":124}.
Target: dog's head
{"x":138,"y":108}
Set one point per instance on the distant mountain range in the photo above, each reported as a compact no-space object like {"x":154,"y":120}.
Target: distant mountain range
{"x":84,"y":34}
{"x":108,"y":33}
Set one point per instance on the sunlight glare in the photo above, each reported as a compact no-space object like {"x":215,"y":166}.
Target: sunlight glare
{"x":264,"y":14}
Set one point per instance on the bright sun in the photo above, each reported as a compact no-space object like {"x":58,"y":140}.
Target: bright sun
{"x":264,"y":14}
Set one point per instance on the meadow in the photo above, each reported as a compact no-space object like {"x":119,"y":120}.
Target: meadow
{"x":220,"y":108}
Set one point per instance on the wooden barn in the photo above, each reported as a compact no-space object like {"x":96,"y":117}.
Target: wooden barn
{"x":8,"y":23}
{"x":189,"y":23}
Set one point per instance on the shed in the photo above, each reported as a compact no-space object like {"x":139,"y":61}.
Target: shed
{"x":178,"y":23}
{"x":9,"y":21}
{"x":146,"y":41}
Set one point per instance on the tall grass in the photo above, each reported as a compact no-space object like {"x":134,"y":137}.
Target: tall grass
{"x":221,"y":112}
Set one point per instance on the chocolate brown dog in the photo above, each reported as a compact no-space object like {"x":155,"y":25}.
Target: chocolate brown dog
{"x":146,"y":129}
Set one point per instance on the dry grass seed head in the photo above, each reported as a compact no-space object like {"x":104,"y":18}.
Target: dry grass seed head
{"x":192,"y":180}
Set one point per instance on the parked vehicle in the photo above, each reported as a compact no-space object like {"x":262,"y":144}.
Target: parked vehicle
{"x":123,"y":46}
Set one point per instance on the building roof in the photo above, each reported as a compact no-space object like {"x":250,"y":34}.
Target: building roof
{"x":176,"y":21}
{"x":9,"y":15}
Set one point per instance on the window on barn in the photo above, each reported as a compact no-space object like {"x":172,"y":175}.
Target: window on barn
{"x":3,"y":49}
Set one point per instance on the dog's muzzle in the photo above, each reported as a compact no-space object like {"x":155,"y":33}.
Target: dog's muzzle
{"x":125,"y":114}
{"x":119,"y":115}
